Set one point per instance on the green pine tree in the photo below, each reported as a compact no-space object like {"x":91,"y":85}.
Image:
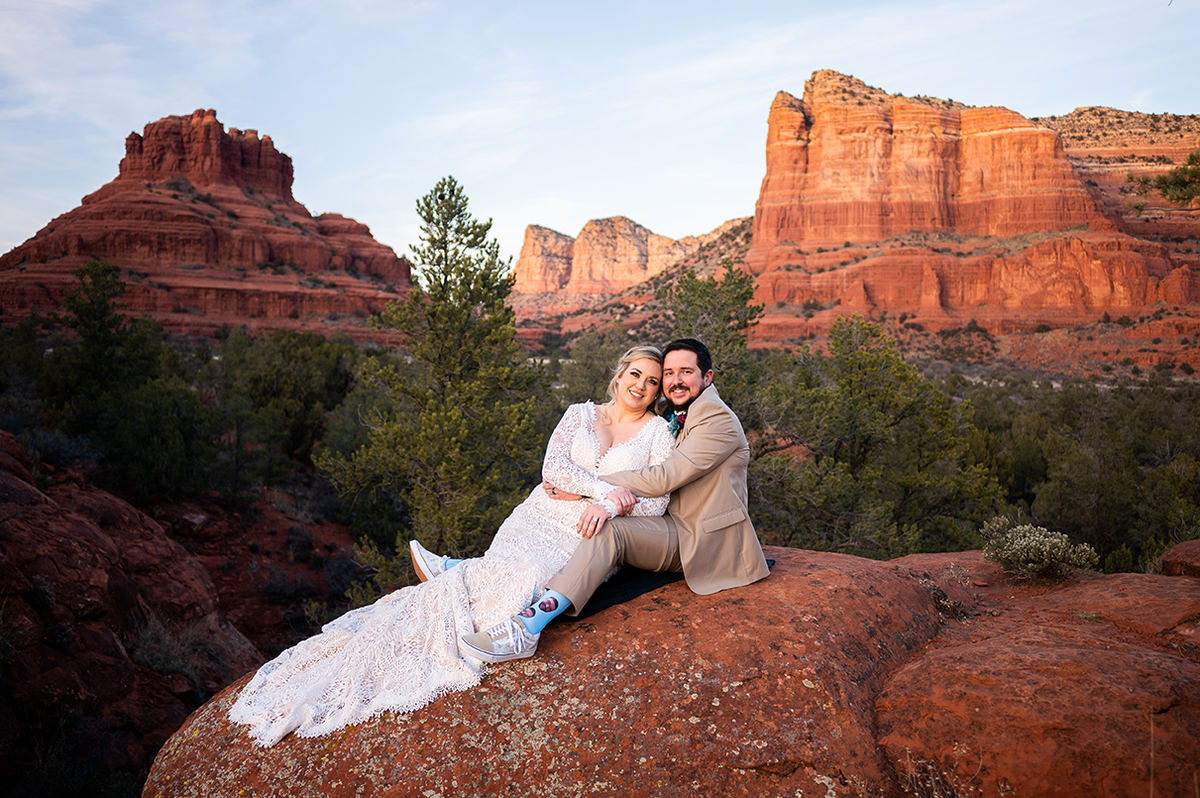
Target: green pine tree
{"x":720,"y":312}
{"x":861,"y":454}
{"x":454,"y":446}
{"x":1182,"y":184}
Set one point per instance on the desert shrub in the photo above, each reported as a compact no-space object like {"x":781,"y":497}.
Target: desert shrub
{"x":281,"y":590}
{"x":1119,"y":561}
{"x":1152,"y":551}
{"x":56,"y":448}
{"x":158,"y":649}
{"x":60,"y":636}
{"x":341,"y":572}
{"x":1182,"y":183}
{"x":1033,"y":552}
{"x":41,"y":597}
{"x":199,"y":653}
{"x":300,"y":543}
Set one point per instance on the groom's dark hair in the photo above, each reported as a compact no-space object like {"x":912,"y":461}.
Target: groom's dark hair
{"x":703,"y":358}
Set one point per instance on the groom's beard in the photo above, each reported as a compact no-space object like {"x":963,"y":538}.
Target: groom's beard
{"x":683,"y":407}
{"x":690,"y":400}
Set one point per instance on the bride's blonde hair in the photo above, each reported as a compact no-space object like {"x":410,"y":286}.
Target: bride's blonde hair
{"x":639,"y":352}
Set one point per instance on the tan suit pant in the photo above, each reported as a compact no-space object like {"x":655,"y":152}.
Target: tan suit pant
{"x":651,"y":544}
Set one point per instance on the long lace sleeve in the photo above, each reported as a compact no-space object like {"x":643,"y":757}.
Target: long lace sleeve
{"x":661,"y":446}
{"x":559,"y":469}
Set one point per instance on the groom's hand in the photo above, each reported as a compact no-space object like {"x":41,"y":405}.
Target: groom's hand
{"x":625,"y":500}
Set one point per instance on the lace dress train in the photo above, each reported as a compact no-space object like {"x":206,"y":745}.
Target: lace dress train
{"x":401,"y":652}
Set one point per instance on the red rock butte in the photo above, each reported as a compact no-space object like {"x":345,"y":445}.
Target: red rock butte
{"x":557,"y":275}
{"x":851,"y":163}
{"x":608,"y":256}
{"x":204,"y":228}
{"x":875,"y":202}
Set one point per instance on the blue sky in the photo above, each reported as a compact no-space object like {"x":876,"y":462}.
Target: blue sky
{"x":547,"y":113}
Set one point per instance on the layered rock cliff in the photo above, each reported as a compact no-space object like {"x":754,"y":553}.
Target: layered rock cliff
{"x":849,"y":162}
{"x":834,"y":676}
{"x":204,"y":227}
{"x":934,"y":214}
{"x":544,"y":265}
{"x":943,"y":214}
{"x":1107,"y":146}
{"x":609,"y":256}
{"x":561,"y":282}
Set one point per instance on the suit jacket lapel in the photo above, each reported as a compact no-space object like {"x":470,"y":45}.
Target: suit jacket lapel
{"x":707,"y":393}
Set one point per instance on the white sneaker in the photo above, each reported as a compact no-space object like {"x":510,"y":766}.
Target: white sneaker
{"x":504,"y":641}
{"x":425,"y":563}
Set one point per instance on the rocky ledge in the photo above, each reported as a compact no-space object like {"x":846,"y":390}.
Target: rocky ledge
{"x":836,"y":676}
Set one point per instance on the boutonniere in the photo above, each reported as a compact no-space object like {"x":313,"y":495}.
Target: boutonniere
{"x":675,"y":422}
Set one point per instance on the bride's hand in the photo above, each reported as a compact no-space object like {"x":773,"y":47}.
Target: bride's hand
{"x":555,"y":493}
{"x":592,"y":521}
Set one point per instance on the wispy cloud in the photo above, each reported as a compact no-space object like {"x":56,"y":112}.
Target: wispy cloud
{"x":51,"y":64}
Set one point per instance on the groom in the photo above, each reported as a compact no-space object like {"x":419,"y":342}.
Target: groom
{"x":706,"y":532}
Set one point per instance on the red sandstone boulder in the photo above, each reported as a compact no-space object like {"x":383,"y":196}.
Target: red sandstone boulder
{"x":82,"y":576}
{"x":1182,"y":559}
{"x":1091,"y":687}
{"x":834,"y":676}
{"x":762,"y":690}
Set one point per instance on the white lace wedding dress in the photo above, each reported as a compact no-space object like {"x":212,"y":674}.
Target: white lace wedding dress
{"x":401,"y":652}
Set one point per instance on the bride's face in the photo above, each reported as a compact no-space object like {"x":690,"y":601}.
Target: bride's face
{"x":638,"y":385}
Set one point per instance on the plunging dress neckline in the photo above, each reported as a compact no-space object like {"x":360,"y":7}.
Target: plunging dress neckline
{"x":600,"y":455}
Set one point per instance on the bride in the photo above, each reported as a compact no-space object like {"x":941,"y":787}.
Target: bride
{"x":402,"y":652}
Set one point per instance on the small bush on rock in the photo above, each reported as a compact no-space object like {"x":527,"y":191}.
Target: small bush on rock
{"x":1033,"y":552}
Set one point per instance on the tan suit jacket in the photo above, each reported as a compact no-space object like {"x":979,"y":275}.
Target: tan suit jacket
{"x":706,"y":475}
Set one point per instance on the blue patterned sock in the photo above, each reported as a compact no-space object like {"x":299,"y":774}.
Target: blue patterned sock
{"x":549,"y":606}
{"x":450,"y":563}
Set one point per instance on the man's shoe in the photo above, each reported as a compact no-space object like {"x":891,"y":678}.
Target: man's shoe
{"x":504,"y":641}
{"x":425,"y":563}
